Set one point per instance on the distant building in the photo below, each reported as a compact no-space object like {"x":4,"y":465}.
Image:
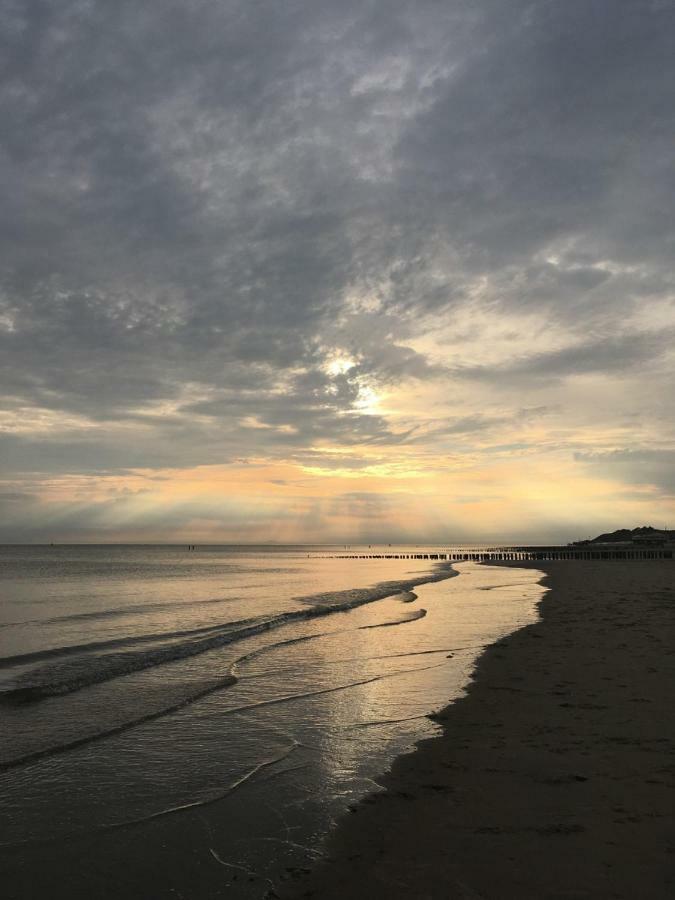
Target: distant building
{"x":652,"y":539}
{"x":646,"y":536}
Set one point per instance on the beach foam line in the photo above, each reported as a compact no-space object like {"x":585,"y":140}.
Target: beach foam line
{"x":90,"y":668}
{"x":20,"y":659}
{"x":259,"y":651}
{"x":228,"y":681}
{"x":410,"y":617}
{"x":58,"y":749}
{"x":304,"y":695}
{"x":349,"y":659}
{"x":213,"y":798}
{"x":172,"y":810}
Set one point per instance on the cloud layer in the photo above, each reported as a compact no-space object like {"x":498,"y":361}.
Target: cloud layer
{"x":337,"y":243}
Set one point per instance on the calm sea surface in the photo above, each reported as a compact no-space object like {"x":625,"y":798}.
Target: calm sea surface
{"x":252,"y":693}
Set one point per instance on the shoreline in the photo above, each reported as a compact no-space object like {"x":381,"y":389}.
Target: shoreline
{"x":553,"y":777}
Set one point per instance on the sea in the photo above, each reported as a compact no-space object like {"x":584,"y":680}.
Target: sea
{"x":192,"y":722}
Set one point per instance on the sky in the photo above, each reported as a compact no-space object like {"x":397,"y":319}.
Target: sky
{"x":336,"y":271}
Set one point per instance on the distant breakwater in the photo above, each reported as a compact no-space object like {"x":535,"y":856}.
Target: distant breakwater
{"x":515,"y":554}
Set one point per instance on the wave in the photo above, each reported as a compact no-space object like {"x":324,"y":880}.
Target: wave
{"x":171,"y":810}
{"x":85,"y":666}
{"x":212,"y":798}
{"x":127,"y":725}
{"x":21,"y":659}
{"x":494,"y":587}
{"x":227,"y":681}
{"x":133,"y":608}
{"x":305,"y":695}
{"x":76,"y":743}
{"x":410,"y":617}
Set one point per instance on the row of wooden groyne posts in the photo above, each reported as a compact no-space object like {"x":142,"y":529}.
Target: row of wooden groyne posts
{"x":510,"y":554}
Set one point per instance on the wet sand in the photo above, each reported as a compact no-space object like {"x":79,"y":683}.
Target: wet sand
{"x":554,"y":776}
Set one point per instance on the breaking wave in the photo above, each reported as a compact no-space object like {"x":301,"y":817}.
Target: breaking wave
{"x":84,"y":665}
{"x":408,"y":617}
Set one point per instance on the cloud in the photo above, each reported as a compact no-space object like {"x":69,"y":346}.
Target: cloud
{"x":207,"y":202}
{"x":616,"y":355}
{"x":642,"y":466}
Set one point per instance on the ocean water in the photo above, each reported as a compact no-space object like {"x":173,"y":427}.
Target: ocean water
{"x":226,"y":704}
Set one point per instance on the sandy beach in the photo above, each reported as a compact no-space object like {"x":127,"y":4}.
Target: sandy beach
{"x":554,"y":774}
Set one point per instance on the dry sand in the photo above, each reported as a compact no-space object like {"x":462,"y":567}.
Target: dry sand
{"x":554,"y":775}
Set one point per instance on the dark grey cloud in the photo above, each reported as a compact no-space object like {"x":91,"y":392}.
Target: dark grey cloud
{"x":554,"y":128}
{"x":203,"y":202}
